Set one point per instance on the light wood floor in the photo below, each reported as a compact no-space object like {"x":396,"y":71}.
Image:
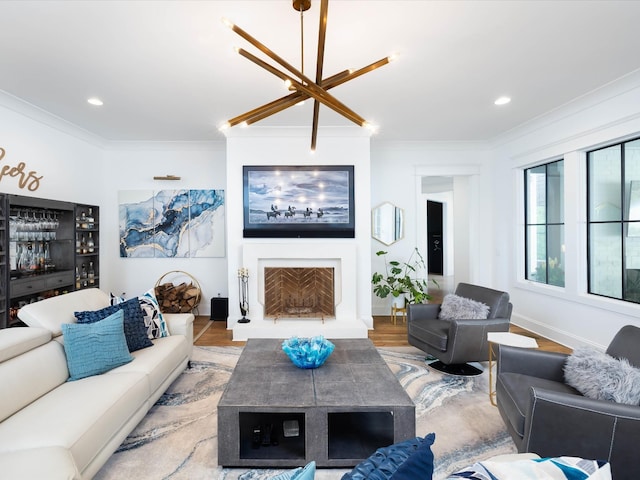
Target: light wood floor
{"x":384,"y":334}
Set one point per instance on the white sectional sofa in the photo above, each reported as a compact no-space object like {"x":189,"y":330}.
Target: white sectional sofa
{"x":51,"y":428}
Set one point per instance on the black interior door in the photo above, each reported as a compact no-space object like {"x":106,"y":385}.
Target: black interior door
{"x":434,"y":237}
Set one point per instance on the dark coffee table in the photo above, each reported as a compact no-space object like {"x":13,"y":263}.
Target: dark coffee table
{"x":343,"y":411}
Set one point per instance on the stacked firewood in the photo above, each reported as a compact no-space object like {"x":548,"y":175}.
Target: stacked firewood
{"x":181,"y":298}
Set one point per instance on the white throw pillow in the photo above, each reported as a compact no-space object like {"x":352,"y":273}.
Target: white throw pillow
{"x":153,"y":319}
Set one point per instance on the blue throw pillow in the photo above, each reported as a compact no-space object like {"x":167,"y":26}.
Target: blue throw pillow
{"x":95,"y":348}
{"x":419,"y":464}
{"x":306,"y":473}
{"x":385,"y":461}
{"x":134,"y":329}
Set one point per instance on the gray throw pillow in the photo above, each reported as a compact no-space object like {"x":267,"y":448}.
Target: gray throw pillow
{"x":603,"y":377}
{"x":460,"y":308}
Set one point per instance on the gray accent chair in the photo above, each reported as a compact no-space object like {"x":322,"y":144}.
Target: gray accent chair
{"x":456,"y":342}
{"x":548,"y":417}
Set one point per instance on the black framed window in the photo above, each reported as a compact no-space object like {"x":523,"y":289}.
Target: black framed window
{"x":613,"y":221}
{"x":544,"y":223}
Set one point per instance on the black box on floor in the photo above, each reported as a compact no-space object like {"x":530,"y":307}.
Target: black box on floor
{"x":219,"y":308}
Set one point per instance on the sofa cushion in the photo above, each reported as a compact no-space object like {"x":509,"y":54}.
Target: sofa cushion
{"x":84,"y":417}
{"x":455,"y":307}
{"x":514,"y":392}
{"x":431,"y":332}
{"x":53,"y":312}
{"x":603,"y":377}
{"x":52,"y":463}
{"x":46,"y":365}
{"x":16,"y":341}
{"x":153,"y":319}
{"x":134,"y":329}
{"x":95,"y":348}
{"x":158,"y":363}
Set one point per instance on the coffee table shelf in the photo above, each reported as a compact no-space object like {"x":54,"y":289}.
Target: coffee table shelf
{"x":344,"y":410}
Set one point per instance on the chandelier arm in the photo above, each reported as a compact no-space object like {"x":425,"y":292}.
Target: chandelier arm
{"x":289,"y":100}
{"x":312,"y":90}
{"x":276,"y":106}
{"x":322,"y":35}
{"x":334,"y":82}
{"x":318,"y":92}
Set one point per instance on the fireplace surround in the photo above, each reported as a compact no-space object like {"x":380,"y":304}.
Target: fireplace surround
{"x":339,"y":257}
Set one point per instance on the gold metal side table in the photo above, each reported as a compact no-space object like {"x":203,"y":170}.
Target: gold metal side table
{"x":505,"y":338}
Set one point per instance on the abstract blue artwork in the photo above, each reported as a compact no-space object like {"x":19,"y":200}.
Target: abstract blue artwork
{"x":171,"y":223}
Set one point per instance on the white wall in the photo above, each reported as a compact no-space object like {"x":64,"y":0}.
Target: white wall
{"x":132,"y":166}
{"x":568,"y":315}
{"x":290,"y":146}
{"x":396,"y":176}
{"x":65,"y":157}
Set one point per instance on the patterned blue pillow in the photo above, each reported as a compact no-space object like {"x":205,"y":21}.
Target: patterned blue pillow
{"x":134,"y":329}
{"x":95,"y":348}
{"x":419,"y":464}
{"x":153,"y":319}
{"x":384,"y":462}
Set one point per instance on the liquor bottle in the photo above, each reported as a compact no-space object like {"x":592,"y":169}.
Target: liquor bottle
{"x":90,"y":244}
{"x":83,"y":221}
{"x":90,"y":219}
{"x":83,"y":245}
{"x":83,"y":276}
{"x":48,"y":264}
{"x":92,"y":274}
{"x":78,"y":244}
{"x":77,"y":279}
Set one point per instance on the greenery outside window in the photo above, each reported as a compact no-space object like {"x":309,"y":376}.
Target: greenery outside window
{"x":544,"y":223}
{"x":613,"y":221}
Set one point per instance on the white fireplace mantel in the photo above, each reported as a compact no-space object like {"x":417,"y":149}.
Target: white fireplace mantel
{"x":338,"y":255}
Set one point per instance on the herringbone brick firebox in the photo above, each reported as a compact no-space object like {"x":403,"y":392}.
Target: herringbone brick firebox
{"x":299,"y":292}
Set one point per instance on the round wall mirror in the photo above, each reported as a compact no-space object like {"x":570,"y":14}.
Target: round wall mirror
{"x":387,"y":223}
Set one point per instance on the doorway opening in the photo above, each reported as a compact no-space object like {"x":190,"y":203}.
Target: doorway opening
{"x":435,"y":237}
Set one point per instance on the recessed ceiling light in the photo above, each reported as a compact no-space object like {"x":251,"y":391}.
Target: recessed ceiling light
{"x":95,"y":101}
{"x":502,"y":101}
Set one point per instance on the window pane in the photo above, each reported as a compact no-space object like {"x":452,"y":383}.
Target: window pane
{"x":604,"y":184}
{"x":632,"y":181}
{"x":632,"y":272}
{"x":555,"y":192}
{"x":536,"y":194}
{"x":555,"y":256}
{"x":536,"y":253}
{"x":605,"y":259}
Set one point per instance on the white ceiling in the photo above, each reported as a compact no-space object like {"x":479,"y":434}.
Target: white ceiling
{"x":166,"y":70}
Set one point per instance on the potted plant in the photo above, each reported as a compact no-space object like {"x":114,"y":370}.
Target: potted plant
{"x":400,"y":279}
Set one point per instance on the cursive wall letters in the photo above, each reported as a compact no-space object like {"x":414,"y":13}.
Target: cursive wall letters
{"x":25,"y":179}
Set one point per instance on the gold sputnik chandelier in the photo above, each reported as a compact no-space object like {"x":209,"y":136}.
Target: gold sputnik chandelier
{"x":301,"y":86}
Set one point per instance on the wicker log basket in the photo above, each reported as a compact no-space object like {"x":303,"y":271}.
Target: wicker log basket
{"x":174,"y":297}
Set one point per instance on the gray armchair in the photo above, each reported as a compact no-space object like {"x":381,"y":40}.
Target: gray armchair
{"x":456,"y":342}
{"x":547,"y":417}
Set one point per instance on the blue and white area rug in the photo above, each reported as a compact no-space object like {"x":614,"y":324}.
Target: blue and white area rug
{"x":178,"y":437}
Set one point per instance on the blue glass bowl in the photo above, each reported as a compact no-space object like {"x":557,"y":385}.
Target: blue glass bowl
{"x":308,"y":352}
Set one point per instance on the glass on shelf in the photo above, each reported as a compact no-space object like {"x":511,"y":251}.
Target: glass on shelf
{"x":33,"y":225}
